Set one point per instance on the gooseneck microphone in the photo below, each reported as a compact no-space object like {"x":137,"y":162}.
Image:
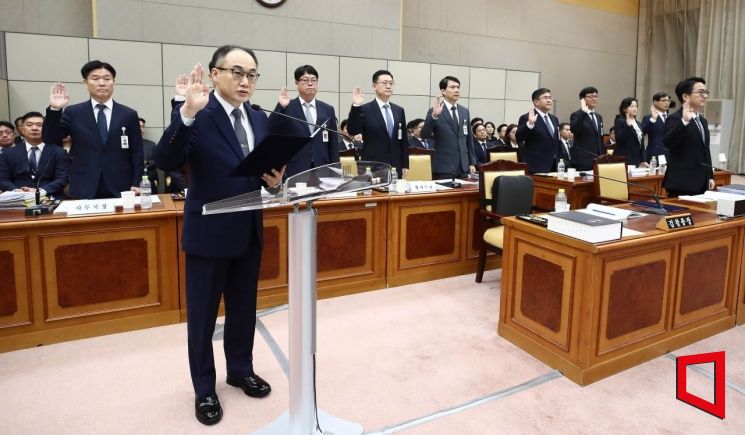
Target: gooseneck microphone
{"x":39,"y":209}
{"x":323,"y":126}
{"x":717,"y":169}
{"x":659,"y":209}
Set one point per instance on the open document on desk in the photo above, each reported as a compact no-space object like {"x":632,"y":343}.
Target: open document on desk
{"x":614,"y":213}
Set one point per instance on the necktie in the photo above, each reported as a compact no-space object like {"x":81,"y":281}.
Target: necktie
{"x":663,"y":116}
{"x":594,"y":121}
{"x":700,"y":129}
{"x":424,"y":142}
{"x":388,"y":119}
{"x":455,"y":116}
{"x":308,"y":116}
{"x":32,"y":160}
{"x":103,"y":129}
{"x":549,"y":125}
{"x":566,"y":145}
{"x":240,"y":132}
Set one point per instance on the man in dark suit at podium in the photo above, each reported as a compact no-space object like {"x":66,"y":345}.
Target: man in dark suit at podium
{"x":323,"y":148}
{"x":587,"y":128}
{"x":213,"y":132}
{"x":106,"y":141}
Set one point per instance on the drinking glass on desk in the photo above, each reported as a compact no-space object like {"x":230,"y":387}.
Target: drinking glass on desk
{"x":609,"y":151}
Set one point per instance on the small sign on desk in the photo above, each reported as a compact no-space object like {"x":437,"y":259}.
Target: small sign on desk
{"x":87,"y":207}
{"x":675,"y":222}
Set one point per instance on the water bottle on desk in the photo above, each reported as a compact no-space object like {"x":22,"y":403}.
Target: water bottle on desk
{"x":561,"y":168}
{"x":146,"y":201}
{"x":368,"y":176}
{"x":560,"y":202}
{"x":653,"y":165}
{"x":394,"y":180}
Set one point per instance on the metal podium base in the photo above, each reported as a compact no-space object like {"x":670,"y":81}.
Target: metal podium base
{"x":331,"y":426}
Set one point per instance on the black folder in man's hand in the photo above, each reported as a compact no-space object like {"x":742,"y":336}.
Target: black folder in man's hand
{"x":271,"y":153}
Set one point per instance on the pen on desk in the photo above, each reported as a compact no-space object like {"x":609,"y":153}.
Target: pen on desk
{"x":604,"y":212}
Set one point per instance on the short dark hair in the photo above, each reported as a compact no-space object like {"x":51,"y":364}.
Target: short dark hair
{"x":94,"y":65}
{"x":8,"y":124}
{"x":477,"y":125}
{"x":660,"y":95}
{"x":414,"y":123}
{"x":476,"y":120}
{"x":20,"y":118}
{"x":588,"y":90}
{"x":343,"y":124}
{"x":538,"y":92}
{"x":625,"y":103}
{"x":380,"y":72}
{"x":223,"y":51}
{"x":686,"y":87}
{"x":305,"y":69}
{"x":142,"y":120}
{"x":500,"y":127}
{"x":31,"y":115}
{"x":612,"y":129}
{"x":445,"y":80}
{"x":562,"y":125}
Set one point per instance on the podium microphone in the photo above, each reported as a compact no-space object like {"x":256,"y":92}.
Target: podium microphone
{"x":658,"y":209}
{"x":718,"y":169}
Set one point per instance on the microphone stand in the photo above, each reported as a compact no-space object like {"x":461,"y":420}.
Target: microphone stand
{"x":323,"y":127}
{"x":38,"y":209}
{"x":659,"y":209}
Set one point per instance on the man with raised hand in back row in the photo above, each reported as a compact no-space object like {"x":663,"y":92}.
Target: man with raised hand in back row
{"x":106,"y":155}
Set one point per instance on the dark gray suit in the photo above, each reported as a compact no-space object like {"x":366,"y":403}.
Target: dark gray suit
{"x":453,"y":146}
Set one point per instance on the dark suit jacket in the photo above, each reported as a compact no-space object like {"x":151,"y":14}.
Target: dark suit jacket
{"x":91,"y":159}
{"x":655,"y":132}
{"x":588,"y":142}
{"x":343,"y":146}
{"x":540,"y":146}
{"x":563,"y":153}
{"x":379,"y":146}
{"x":482,"y":156}
{"x":685,"y":173}
{"x":212,"y":151}
{"x":316,"y":152}
{"x":416,"y":143}
{"x":627,"y":142}
{"x":53,"y":169}
{"x":453,"y":146}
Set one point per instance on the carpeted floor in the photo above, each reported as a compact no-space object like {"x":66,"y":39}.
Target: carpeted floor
{"x":417,"y":359}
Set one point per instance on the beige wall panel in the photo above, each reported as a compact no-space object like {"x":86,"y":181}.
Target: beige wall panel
{"x":146,"y":100}
{"x":358,"y":71}
{"x":153,"y":134}
{"x":488,"y":83}
{"x":135,"y":62}
{"x":416,"y":106}
{"x":267,"y":99}
{"x":415,"y":44}
{"x":11,"y":20}
{"x":268,"y":33}
{"x":171,"y":23}
{"x":443,"y":45}
{"x":353,"y":11}
{"x":34,"y":96}
{"x":317,"y":10}
{"x":521,"y":84}
{"x":272,"y":67}
{"x":45,"y":58}
{"x":307,"y":36}
{"x":514,"y":109}
{"x":226,"y":27}
{"x":4,"y":108}
{"x":387,"y":14}
{"x":331,"y":98}
{"x":327,"y":67}
{"x":412,"y":78}
{"x":351,"y":40}
{"x":119,"y":19}
{"x":489,"y":110}
{"x":460,"y":72}
{"x":180,"y":59}
{"x":386,"y":44}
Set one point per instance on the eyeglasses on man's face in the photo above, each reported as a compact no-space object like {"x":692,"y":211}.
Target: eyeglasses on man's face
{"x":546,"y":97}
{"x":308,"y":81}
{"x":386,"y":82}
{"x":238,"y":74}
{"x":702,"y":92}
{"x":664,"y":100}
{"x":592,"y":96}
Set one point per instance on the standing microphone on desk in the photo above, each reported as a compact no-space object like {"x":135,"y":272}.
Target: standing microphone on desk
{"x":718,"y":169}
{"x":284,"y":115}
{"x":39,"y":209}
{"x":658,"y":209}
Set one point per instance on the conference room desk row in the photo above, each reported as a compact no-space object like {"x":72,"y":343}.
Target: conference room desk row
{"x":580,"y":191}
{"x":592,"y":310}
{"x":63,"y":278}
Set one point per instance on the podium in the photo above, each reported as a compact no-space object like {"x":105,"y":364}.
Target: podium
{"x":303,"y":417}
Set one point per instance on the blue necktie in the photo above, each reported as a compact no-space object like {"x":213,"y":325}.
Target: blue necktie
{"x":103,"y":129}
{"x":388,"y":119}
{"x":32,"y":161}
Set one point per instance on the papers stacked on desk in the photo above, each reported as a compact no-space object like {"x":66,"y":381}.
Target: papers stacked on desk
{"x":617,"y":214}
{"x":584,"y":226}
{"x":12,"y":199}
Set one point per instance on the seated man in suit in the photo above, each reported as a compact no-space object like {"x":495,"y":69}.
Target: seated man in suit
{"x":35,"y":164}
{"x":416,"y":140}
{"x":480,"y":144}
{"x":565,"y":135}
{"x":148,"y":148}
{"x":106,"y":141}
{"x":323,"y":148}
{"x":346,"y":141}
{"x":6,"y":136}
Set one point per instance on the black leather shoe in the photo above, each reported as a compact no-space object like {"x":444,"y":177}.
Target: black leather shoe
{"x":208,"y":410}
{"x":252,"y":385}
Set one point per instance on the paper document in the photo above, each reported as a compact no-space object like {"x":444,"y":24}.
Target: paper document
{"x":610,"y":212}
{"x":696,"y":198}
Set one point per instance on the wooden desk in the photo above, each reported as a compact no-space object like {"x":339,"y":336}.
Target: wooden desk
{"x":594,"y":310}
{"x":66,"y":278}
{"x":580,"y":191}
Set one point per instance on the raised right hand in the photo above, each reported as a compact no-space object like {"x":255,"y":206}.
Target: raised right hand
{"x":58,"y":98}
{"x":357,"y":98}
{"x":688,"y":114}
{"x":532,"y":116}
{"x":583,"y":105}
{"x":629,"y":119}
{"x":653,"y":112}
{"x":284,"y":98}
{"x":197,"y":93}
{"x":437,"y":107}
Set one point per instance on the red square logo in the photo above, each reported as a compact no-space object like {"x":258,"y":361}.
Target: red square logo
{"x":717,"y":408}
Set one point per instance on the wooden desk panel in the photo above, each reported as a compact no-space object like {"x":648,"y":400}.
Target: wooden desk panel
{"x":599,"y":309}
{"x":71,"y":278}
